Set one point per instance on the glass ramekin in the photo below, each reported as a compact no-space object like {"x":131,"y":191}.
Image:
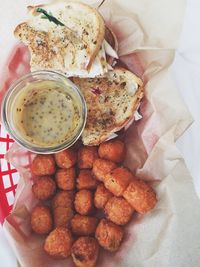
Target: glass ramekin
{"x":10,"y":96}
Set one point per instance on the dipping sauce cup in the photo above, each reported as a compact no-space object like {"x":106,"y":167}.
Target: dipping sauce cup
{"x":44,"y":112}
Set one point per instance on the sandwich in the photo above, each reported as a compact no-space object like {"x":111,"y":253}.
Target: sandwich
{"x":111,"y":103}
{"x":70,"y":37}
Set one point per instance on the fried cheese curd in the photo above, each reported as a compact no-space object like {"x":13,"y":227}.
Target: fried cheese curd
{"x":109,"y":235}
{"x":113,"y":150}
{"x":101,"y":167}
{"x":87,"y":156}
{"x":43,"y":165}
{"x":66,"y":158}
{"x":58,"y":243}
{"x":86,"y":180}
{"x":84,"y":202}
{"x":62,"y":207}
{"x":62,"y":216}
{"x":65,"y":178}
{"x":118,"y":180}
{"x":101,"y":196}
{"x":41,"y":220}
{"x":63,"y":199}
{"x":118,"y":210}
{"x":83,"y":225}
{"x":44,"y":188}
{"x":140,"y":196}
{"x":85,"y":251}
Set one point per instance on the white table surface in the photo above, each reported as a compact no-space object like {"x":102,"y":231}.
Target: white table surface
{"x":185,"y":72}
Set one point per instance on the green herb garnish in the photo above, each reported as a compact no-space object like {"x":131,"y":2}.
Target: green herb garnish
{"x":49,"y":16}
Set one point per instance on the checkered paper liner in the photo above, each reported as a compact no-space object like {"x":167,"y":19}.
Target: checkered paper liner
{"x":17,"y":65}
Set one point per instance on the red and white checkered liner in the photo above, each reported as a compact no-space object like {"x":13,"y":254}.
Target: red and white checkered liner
{"x":18,"y":65}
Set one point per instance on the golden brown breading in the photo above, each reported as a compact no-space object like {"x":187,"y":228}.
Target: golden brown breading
{"x":101,"y":196}
{"x":85,"y":251}
{"x":86,"y":180}
{"x":118,"y":180}
{"x":101,"y":167}
{"x":66,"y":158}
{"x":43,"y":165}
{"x":44,"y":188}
{"x":41,"y":220}
{"x":118,"y":210}
{"x":62,"y":216}
{"x":63,"y":199}
{"x":65,"y":178}
{"x":141,"y":196}
{"x":109,"y":235}
{"x":83,"y":225}
{"x":83,"y":202}
{"x":58,"y":243}
{"x":113,"y":150}
{"x":87,"y":156}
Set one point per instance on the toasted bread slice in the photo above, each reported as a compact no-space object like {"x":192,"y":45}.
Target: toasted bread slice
{"x":111,"y":103}
{"x":70,"y":45}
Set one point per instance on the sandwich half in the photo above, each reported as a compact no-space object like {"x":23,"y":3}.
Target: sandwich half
{"x":111,"y":103}
{"x":66,"y":36}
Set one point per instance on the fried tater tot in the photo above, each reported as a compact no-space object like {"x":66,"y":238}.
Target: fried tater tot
{"x":43,"y":165}
{"x":83,"y":202}
{"x":83,"y":225}
{"x":85,"y":251}
{"x":109,"y":235}
{"x":140,"y":196}
{"x":62,"y":216}
{"x":66,"y":158}
{"x":113,"y":150}
{"x":118,"y":210}
{"x":63,"y":199}
{"x":86,"y":156}
{"x":118,"y":180}
{"x":41,"y":220}
{"x":65,"y":178}
{"x":101,"y":167}
{"x":44,"y":188}
{"x":101,"y":196}
{"x":58,"y":243}
{"x":86,"y":180}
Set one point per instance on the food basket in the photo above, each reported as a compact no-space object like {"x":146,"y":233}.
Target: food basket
{"x":163,"y":237}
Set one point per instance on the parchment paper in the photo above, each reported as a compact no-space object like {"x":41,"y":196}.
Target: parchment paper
{"x":168,"y":236}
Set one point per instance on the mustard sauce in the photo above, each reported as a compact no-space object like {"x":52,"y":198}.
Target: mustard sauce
{"x":46,"y":113}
